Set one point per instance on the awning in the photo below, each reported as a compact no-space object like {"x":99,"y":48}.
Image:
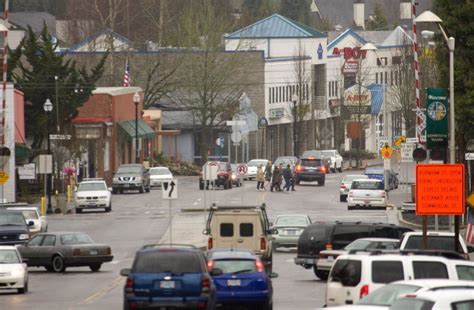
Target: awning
{"x":144,"y":131}
{"x":22,"y":151}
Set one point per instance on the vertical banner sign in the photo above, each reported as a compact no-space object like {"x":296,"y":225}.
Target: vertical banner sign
{"x":437,"y":117}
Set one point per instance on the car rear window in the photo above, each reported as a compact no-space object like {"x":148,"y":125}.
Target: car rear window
{"x":412,"y":304}
{"x":386,"y":295}
{"x":167,"y":261}
{"x":387,"y":271}
{"x":366,"y":185}
{"x":311,"y":162}
{"x":226,"y":230}
{"x":246,"y":229}
{"x":236,"y":266}
{"x":345,"y":234}
{"x":318,"y":232}
{"x":430,"y":270}
{"x":463,"y":305}
{"x":465,"y":272}
{"x":434,"y":243}
{"x":347,"y":272}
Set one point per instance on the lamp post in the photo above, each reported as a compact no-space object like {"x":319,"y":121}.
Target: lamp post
{"x":295,"y":98}
{"x":48,"y":108}
{"x":136,"y":101}
{"x":430,"y":17}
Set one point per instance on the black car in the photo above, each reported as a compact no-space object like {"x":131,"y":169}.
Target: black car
{"x":325,"y":236}
{"x":13,"y":228}
{"x":310,"y":168}
{"x":164,"y":277}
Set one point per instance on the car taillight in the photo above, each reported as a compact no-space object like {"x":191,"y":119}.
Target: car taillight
{"x":299,"y":168}
{"x":323,"y":256}
{"x":328,"y":246}
{"x":323,"y":169}
{"x":76,"y":252}
{"x":205,"y":285}
{"x":209,"y":243}
{"x":108,"y":251}
{"x":263,"y":244}
{"x":384,"y":195}
{"x":259,"y":265}
{"x":364,"y":291}
{"x":210,"y":265}
{"x":133,"y":305}
{"x":129,"y":285}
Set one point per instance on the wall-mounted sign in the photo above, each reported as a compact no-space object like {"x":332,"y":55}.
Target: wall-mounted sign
{"x":350,"y":67}
{"x":357,"y":95}
{"x":350,"y":52}
{"x":437,"y":117}
{"x":320,"y":51}
{"x":276,"y":113}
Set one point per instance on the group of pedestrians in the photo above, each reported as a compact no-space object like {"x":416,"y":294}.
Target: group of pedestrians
{"x":274,"y":178}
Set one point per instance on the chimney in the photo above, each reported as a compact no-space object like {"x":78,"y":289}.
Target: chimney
{"x":359,"y":13}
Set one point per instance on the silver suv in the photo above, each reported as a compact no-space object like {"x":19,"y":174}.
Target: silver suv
{"x":131,"y":177}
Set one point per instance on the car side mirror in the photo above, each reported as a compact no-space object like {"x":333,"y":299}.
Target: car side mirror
{"x":206,"y":231}
{"x":31,"y":223}
{"x":273,"y":275}
{"x":125,"y":272}
{"x":216,"y":272}
{"x":470,"y":249}
{"x":109,"y":189}
{"x":273,"y":231}
{"x":25,"y":260}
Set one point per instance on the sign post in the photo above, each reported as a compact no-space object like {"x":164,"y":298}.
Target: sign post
{"x":242,"y":170}
{"x":169,"y":191}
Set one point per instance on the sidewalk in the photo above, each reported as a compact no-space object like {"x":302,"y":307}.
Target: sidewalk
{"x":63,"y":208}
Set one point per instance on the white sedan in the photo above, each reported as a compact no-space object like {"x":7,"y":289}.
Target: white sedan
{"x":366,"y":193}
{"x":13,"y":272}
{"x":31,"y":214}
{"x":456,"y":298}
{"x":335,"y":160}
{"x":252,"y":167}
{"x":158,"y":175}
{"x":93,"y":194}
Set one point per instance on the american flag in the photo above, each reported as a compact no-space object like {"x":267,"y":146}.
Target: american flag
{"x":126,"y":76}
{"x":470,"y":226}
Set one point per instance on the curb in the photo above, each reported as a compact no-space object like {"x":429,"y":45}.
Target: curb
{"x":418,"y":226}
{"x":191,"y":210}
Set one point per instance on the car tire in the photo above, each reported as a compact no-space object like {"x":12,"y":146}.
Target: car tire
{"x":114,"y":191}
{"x":268,"y":305}
{"x":230,"y":184}
{"x":147,"y":189}
{"x":24,"y":289}
{"x":141,"y":190}
{"x":350,"y":207}
{"x":275,"y":246}
{"x":342,"y":198}
{"x":78,"y":210}
{"x":95,"y":267}
{"x":49,"y":268}
{"x":226,"y":185}
{"x":297,"y":182}
{"x":340,"y":168}
{"x":58,"y":264}
{"x":322,"y":275}
{"x":321,"y":183}
{"x":109,"y":208}
{"x":201,"y":185}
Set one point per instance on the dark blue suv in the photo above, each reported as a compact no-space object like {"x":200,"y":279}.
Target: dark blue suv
{"x":169,"y":277}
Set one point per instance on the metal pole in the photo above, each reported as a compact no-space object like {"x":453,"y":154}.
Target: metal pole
{"x":385,"y":133}
{"x":137,"y":154}
{"x":171,"y":223}
{"x":57,"y":103}
{"x":48,"y":185}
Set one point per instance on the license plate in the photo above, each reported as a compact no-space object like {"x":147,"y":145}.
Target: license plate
{"x":167,"y":284}
{"x":233,"y":282}
{"x":93,"y":252}
{"x":291,"y":232}
{"x":367,"y":202}
{"x":330,"y":258}
{"x":92,"y":205}
{"x":309,"y":261}
{"x":126,"y":185}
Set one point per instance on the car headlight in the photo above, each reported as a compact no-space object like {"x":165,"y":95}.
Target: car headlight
{"x":138,"y":179}
{"x":80,"y":198}
{"x":102,"y":197}
{"x":24,"y":237}
{"x":115,"y":179}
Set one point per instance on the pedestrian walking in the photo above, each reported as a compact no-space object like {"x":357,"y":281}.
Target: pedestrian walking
{"x":260,"y":178}
{"x":280,"y":177}
{"x":287,"y":176}
{"x":268,"y":174}
{"x":275,"y":179}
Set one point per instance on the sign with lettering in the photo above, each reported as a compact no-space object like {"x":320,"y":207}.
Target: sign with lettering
{"x":358,"y":99}
{"x":350,"y":52}
{"x":440,"y":189}
{"x":437,"y":117}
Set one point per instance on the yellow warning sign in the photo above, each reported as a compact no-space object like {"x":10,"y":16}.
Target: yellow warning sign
{"x":470,"y":200}
{"x":386,"y":151}
{"x":3,"y":177}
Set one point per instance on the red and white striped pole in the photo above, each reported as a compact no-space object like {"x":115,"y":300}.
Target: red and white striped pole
{"x":5,"y":70}
{"x":420,"y":116}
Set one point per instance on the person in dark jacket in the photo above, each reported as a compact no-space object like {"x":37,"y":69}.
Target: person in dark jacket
{"x":287,"y":175}
{"x":276,"y":179}
{"x":268,"y":174}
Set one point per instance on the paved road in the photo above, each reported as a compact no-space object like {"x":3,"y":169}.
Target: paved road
{"x":139,"y":219}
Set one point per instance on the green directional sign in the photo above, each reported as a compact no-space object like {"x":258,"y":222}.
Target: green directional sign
{"x":437,"y":117}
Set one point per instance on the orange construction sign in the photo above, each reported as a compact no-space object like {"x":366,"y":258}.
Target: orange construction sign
{"x":440,"y":189}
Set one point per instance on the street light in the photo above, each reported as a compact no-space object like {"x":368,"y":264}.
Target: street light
{"x":136,"y":101}
{"x":48,"y":108}
{"x":295,"y":98}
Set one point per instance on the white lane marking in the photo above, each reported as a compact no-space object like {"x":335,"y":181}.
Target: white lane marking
{"x":114,"y":262}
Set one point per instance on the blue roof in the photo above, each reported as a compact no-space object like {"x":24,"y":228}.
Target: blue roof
{"x":376,"y":91}
{"x":276,"y":26}
{"x":348,"y":32}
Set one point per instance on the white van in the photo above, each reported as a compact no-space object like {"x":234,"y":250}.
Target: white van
{"x":354,"y":276}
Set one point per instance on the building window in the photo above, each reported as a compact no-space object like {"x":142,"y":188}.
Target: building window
{"x":396,"y":60}
{"x":376,"y":77}
{"x":391,"y":78}
{"x":330,"y":88}
{"x":337,"y":89}
{"x":386,"y":78}
{"x":307,"y":91}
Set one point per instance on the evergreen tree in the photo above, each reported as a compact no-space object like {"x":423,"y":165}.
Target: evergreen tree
{"x":33,"y":66}
{"x":457,"y":19}
{"x":297,"y":10}
{"x":379,"y":20}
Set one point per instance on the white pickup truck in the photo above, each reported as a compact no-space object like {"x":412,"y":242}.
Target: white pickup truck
{"x":436,"y":241}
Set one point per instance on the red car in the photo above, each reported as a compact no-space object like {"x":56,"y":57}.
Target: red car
{"x":224,"y":176}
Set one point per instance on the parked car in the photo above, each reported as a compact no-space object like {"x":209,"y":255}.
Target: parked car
{"x":377,"y":173}
{"x":158,"y":175}
{"x":241,"y":227}
{"x":13,"y":227}
{"x":366,"y":193}
{"x":355,"y":276}
{"x":285,"y":160}
{"x":289,"y":227}
{"x":240,"y":279}
{"x":13,"y":270}
{"x":236,"y":179}
{"x":92,"y":194}
{"x":346,"y":184}
{"x":59,"y":250}
{"x":33,"y":214}
{"x":310,"y":168}
{"x":224,"y":176}
{"x":384,"y":297}
{"x":437,"y":300}
{"x":318,"y":154}
{"x":335,"y":160}
{"x":327,"y":257}
{"x":436,"y":241}
{"x":253,"y":165}
{"x":327,"y":236}
{"x":168,"y":276}
{"x":131,"y":177}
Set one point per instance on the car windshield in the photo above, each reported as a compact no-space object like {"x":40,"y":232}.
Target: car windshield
{"x":412,"y":304}
{"x":167,"y":261}
{"x":236,"y":266}
{"x":350,"y":178}
{"x":285,"y":161}
{"x":329,"y":153}
{"x":11,"y":219}
{"x":99,"y":186}
{"x":386,"y":295}
{"x":374,"y":171}
{"x":256,"y":163}
{"x":311,"y":162}
{"x":291,"y":221}
{"x":30,"y":214}
{"x":129,"y":169}
{"x":159,"y":171}
{"x":434,"y":243}
{"x":9,"y":257}
{"x":68,"y":239}
{"x":366,"y":185}
{"x":360,"y":245}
